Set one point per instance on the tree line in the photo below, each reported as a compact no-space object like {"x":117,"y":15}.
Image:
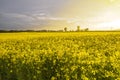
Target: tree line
{"x":64,"y":30}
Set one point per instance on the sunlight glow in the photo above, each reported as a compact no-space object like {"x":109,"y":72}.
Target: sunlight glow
{"x":112,"y":1}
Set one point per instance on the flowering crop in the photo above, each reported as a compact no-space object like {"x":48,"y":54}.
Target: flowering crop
{"x":60,"y":56}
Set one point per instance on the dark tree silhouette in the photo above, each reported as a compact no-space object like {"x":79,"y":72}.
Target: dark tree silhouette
{"x":65,"y":29}
{"x":87,"y":29}
{"x":78,"y":28}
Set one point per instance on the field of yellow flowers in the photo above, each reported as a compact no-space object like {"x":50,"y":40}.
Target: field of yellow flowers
{"x":60,"y":56}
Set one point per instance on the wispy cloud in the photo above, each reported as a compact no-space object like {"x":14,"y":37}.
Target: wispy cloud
{"x":25,"y":21}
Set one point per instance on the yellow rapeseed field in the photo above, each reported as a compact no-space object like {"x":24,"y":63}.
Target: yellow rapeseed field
{"x":60,"y":56}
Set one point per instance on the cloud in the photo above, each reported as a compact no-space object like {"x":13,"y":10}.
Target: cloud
{"x":43,"y":20}
{"x":15,"y":21}
{"x":52,"y":18}
{"x":44,"y":16}
{"x":29,"y":21}
{"x":15,"y":16}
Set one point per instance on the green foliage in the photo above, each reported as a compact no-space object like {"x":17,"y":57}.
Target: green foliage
{"x":65,"y":56}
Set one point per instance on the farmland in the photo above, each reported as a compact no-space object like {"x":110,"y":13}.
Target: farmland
{"x":60,"y":56}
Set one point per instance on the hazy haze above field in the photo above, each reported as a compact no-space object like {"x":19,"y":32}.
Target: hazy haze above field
{"x":57,"y":14}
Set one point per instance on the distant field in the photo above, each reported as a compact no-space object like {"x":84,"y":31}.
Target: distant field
{"x":60,"y":56}
{"x":25,"y":35}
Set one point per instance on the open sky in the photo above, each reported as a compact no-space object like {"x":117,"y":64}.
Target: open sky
{"x":57,"y":14}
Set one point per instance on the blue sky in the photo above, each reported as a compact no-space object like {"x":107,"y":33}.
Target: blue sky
{"x":57,"y":14}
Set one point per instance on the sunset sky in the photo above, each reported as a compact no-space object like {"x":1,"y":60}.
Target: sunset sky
{"x":57,"y":14}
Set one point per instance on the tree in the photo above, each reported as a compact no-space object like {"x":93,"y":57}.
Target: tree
{"x":87,"y":29}
{"x":78,"y":28}
{"x":65,"y":29}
